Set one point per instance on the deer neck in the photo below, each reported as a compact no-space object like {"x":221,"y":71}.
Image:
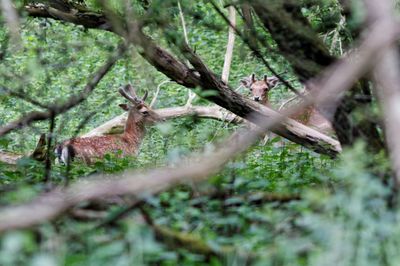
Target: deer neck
{"x":134,"y":130}
{"x":265,"y":102}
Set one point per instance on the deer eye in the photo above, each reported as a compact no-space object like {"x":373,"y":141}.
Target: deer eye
{"x":145,"y":112}
{"x":251,"y":89}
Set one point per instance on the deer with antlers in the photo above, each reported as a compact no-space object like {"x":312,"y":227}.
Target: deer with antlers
{"x":309,"y":116}
{"x":127,"y":143}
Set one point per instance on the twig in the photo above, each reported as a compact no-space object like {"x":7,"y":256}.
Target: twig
{"x":190,"y":242}
{"x":191,"y":96}
{"x":182,"y":17}
{"x":335,"y":79}
{"x":281,"y":107}
{"x":211,"y":80}
{"x":87,"y":215}
{"x":153,"y":101}
{"x":179,"y":72}
{"x":23,"y":96}
{"x":47,"y":175}
{"x":56,"y":109}
{"x":120,"y":214}
{"x":255,"y":50}
{"x":90,"y":115}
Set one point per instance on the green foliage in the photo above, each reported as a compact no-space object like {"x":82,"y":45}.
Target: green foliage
{"x":343,"y":216}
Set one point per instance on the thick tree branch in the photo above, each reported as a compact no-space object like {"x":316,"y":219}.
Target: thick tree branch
{"x":88,"y":19}
{"x":294,"y":36}
{"x":224,"y":96}
{"x":338,"y":78}
{"x":214,"y":112}
{"x":387,"y":79}
{"x":288,"y":128}
{"x":116,"y":125}
{"x":308,"y":56}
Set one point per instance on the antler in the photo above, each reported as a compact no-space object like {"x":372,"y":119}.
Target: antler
{"x":145,"y":96}
{"x":129,"y":93}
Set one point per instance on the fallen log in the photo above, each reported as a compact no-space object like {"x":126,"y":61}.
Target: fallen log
{"x":116,"y":125}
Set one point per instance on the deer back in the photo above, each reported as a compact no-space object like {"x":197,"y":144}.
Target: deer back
{"x":308,"y":116}
{"x":127,"y":143}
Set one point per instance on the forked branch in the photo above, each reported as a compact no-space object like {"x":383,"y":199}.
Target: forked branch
{"x":197,"y":168}
{"x":223,"y":95}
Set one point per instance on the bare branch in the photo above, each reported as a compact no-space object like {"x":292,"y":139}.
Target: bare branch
{"x":23,"y":96}
{"x":387,"y":79}
{"x":287,"y":128}
{"x":225,"y":96}
{"x":56,"y":109}
{"x":213,"y":112}
{"x":255,"y":50}
{"x":116,"y":125}
{"x":153,"y":101}
{"x":12,"y":20}
{"x":337,"y":78}
{"x":230,"y":44}
{"x":182,"y":17}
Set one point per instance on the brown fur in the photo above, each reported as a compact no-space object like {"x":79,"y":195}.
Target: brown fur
{"x":128,"y":143}
{"x":87,"y":149}
{"x":309,"y":116}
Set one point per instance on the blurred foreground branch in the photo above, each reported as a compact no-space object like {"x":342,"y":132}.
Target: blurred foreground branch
{"x":387,"y":79}
{"x":222,"y":95}
{"x":335,"y":80}
{"x":11,"y":17}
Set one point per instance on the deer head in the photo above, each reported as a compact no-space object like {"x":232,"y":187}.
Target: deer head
{"x":260,"y":88}
{"x":139,"y":112}
{"x":90,"y":148}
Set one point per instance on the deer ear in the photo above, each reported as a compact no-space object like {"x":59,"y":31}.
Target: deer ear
{"x":272,"y":82}
{"x":124,"y":106}
{"x":253,"y":77}
{"x":245,"y":82}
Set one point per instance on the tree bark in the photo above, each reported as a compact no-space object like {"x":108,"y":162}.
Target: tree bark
{"x":116,"y":125}
{"x":230,"y":45}
{"x":249,"y":29}
{"x":224,"y":96}
{"x":308,"y":55}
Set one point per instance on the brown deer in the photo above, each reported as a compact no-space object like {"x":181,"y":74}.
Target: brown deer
{"x":260,"y":88}
{"x":90,"y":148}
{"x":309,"y":116}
